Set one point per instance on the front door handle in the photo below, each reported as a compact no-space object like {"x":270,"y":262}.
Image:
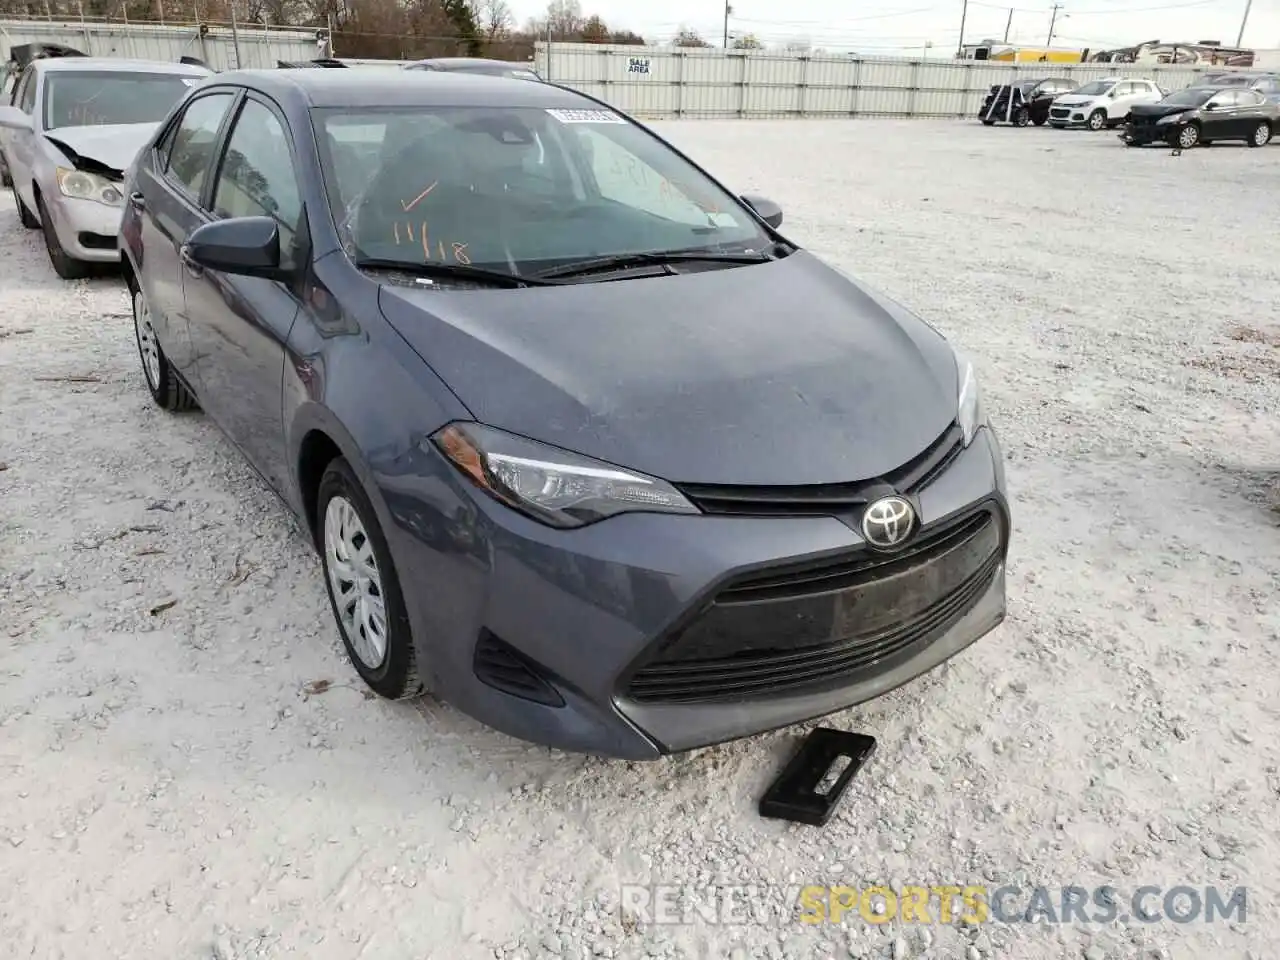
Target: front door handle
{"x":193,"y":268}
{"x":137,"y":200}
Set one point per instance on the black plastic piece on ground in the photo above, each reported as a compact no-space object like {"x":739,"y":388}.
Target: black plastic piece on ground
{"x":794,"y":795}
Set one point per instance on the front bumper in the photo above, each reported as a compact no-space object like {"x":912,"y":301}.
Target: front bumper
{"x":1069,"y":116}
{"x":87,"y":230}
{"x":1152,"y":133}
{"x":585,"y":614}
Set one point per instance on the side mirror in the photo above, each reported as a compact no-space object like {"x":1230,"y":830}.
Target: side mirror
{"x":14,"y":119}
{"x":1211,"y":106}
{"x":246,"y":246}
{"x":766,"y":209}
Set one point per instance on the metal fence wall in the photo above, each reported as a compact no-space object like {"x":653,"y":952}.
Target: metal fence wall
{"x":221,"y":47}
{"x":662,"y":82}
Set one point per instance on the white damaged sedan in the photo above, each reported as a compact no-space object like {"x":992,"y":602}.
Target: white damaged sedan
{"x":71,"y":129}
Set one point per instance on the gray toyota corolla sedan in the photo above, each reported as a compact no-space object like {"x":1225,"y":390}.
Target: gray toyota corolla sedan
{"x":586,"y":445}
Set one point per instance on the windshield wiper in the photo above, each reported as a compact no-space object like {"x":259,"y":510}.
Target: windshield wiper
{"x":453,"y":271}
{"x":657,"y":258}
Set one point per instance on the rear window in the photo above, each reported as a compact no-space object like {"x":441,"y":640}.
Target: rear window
{"x":96,"y":98}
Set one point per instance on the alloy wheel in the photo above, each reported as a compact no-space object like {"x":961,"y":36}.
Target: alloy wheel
{"x":1262,"y":134}
{"x":1188,"y":136}
{"x":356,"y":582}
{"x":147,"y":345}
{"x":1097,"y":120}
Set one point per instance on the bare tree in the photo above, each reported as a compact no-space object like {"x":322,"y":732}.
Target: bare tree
{"x":494,"y":18}
{"x":688,"y":37}
{"x":565,"y":19}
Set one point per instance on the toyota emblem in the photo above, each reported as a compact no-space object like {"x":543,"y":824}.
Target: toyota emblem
{"x":888,"y":523}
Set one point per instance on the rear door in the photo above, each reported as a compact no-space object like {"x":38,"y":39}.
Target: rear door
{"x":170,"y":186}
{"x":240,"y":325}
{"x":1250,"y":111}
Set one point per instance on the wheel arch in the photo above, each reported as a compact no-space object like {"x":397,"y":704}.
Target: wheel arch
{"x":318,"y":439}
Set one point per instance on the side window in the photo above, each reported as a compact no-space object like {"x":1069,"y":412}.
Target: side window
{"x":1227,"y":98}
{"x":27,"y":100}
{"x":191,"y":153}
{"x":1124,"y":89}
{"x":257,"y":176}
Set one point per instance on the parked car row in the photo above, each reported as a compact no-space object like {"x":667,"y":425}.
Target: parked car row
{"x":1221,"y":106}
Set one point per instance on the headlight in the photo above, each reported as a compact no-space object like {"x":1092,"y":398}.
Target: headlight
{"x":554,"y":486}
{"x":968,"y":404}
{"x":1172,"y":119}
{"x":88,"y":186}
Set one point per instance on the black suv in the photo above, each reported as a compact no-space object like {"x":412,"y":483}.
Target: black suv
{"x":1030,"y":104}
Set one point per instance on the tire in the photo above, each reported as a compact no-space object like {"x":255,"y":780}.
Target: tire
{"x":6,"y":179}
{"x":24,"y":215}
{"x":1261,"y":135}
{"x":1188,"y":136}
{"x":64,"y":265}
{"x":1039,"y":121}
{"x":988,"y":123}
{"x":349,"y":537}
{"x":163,"y":383}
{"x":1022,"y":117}
{"x":1097,"y":120}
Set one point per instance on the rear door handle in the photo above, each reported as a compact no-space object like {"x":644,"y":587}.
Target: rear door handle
{"x":137,"y":200}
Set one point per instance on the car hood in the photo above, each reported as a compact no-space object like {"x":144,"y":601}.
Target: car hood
{"x":110,"y":146}
{"x":1159,"y":109}
{"x":779,"y":373}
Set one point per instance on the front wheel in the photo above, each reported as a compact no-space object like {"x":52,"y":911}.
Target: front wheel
{"x":1188,"y":136}
{"x":364,"y":590}
{"x":1022,"y":117}
{"x":24,"y":215}
{"x":1039,"y":121}
{"x":1261,"y":135}
{"x":1097,"y":120}
{"x":162,"y":380}
{"x":988,"y":123}
{"x":64,"y":265}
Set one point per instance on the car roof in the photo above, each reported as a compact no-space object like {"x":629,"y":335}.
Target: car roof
{"x":118,"y":65}
{"x":396,"y":87}
{"x":461,"y":63}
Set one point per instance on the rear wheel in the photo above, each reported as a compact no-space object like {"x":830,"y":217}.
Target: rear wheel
{"x":988,"y":123}
{"x":1097,"y":120}
{"x":64,"y":265}
{"x":1261,"y":135}
{"x":1039,"y":121}
{"x":1022,"y":117}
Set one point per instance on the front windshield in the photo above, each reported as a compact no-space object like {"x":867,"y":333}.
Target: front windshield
{"x":93,"y":98}
{"x":518,"y":189}
{"x":1188,"y":98}
{"x":1095,"y":89}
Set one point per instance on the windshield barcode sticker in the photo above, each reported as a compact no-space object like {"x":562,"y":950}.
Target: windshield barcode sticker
{"x":586,"y":116}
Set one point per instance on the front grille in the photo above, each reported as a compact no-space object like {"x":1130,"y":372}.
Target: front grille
{"x":830,"y":499}
{"x":499,"y":665}
{"x":1139,"y":121}
{"x":1059,"y":113}
{"x":815,"y":625}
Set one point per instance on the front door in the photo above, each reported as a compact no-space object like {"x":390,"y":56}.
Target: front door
{"x":20,"y":144}
{"x":1223,"y":120}
{"x":171,"y":184}
{"x":239,"y":325}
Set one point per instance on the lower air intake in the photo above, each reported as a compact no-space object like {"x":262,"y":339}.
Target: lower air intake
{"x":502,"y":667}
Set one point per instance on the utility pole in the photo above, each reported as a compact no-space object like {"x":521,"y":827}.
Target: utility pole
{"x":1008,"y":25}
{"x":1052,"y":23}
{"x":727,"y":10}
{"x":1240,"y":35}
{"x":964,"y":12}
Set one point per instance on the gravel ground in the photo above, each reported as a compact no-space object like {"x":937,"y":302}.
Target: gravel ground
{"x":172,"y":787}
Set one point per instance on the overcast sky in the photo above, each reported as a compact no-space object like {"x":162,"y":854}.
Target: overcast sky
{"x":909,"y":24}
